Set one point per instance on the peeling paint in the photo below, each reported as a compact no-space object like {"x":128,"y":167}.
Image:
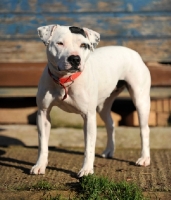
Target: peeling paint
{"x":120,"y":22}
{"x":109,"y":25}
{"x":42,"y":6}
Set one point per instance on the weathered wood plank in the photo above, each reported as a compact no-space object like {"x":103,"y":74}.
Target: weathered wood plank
{"x":132,"y":119}
{"x":13,"y":26}
{"x":83,"y":6}
{"x":34,"y":51}
{"x":150,"y":49}
{"x":161,"y":105}
{"x":18,"y":91}
{"x":163,"y":119}
{"x":28,"y":74}
{"x":155,"y":93}
{"x":160,"y":76}
{"x":18,"y":115}
{"x":20,"y":74}
{"x":22,"y":51}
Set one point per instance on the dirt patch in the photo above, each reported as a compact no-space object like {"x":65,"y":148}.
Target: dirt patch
{"x":16,"y":161}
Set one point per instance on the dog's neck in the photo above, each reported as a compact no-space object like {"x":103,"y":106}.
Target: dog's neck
{"x":63,"y":81}
{"x":56,"y":72}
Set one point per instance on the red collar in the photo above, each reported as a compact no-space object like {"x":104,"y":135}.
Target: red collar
{"x":63,"y":80}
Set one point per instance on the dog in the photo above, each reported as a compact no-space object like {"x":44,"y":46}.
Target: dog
{"x":82,"y":80}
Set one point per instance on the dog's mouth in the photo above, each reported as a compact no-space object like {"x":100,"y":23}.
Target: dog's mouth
{"x":74,"y":68}
{"x":71,"y":70}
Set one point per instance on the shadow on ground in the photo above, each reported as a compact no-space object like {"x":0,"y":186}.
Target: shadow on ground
{"x":17,"y":160}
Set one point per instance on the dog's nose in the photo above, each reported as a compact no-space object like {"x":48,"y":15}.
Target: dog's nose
{"x":74,"y":61}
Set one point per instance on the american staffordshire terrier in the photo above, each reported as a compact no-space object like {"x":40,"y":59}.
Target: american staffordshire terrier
{"x":82,"y":80}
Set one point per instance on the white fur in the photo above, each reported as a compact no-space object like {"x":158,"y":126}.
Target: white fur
{"x":94,"y":90}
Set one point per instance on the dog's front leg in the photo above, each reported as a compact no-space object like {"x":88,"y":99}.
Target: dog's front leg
{"x":43,"y":125}
{"x":90,"y":132}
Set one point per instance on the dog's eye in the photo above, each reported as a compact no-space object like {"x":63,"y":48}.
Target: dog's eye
{"x":85,"y":46}
{"x":59,"y":43}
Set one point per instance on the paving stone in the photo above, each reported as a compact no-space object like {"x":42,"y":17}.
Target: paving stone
{"x":18,"y":153}
{"x":64,"y":163}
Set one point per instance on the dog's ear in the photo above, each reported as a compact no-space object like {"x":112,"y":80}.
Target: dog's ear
{"x":45,"y":33}
{"x":93,"y":37}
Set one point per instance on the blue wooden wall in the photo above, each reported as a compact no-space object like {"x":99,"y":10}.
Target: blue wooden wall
{"x":144,"y":25}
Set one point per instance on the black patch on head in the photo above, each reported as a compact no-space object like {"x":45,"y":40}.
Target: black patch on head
{"x":77,"y":30}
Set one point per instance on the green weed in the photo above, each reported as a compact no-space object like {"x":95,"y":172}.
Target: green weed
{"x":92,"y":187}
{"x":100,"y":188}
{"x":42,"y":185}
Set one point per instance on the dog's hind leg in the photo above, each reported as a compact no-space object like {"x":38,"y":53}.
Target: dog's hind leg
{"x":104,"y":111}
{"x":143,"y":115}
{"x":140,"y":94}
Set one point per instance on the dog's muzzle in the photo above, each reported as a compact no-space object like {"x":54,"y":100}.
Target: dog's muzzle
{"x":74,"y":61}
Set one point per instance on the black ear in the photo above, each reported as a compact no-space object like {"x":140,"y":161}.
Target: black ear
{"x":45,"y":33}
{"x":93,"y":37}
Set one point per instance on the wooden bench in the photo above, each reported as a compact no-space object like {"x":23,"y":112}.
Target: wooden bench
{"x":21,"y":79}
{"x":144,"y":27}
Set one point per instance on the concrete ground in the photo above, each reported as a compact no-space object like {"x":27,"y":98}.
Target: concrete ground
{"x":18,"y":152}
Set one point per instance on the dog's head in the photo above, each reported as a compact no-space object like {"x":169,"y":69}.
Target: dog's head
{"x":68,"y":47}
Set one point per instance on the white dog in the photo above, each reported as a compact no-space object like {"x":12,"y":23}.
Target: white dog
{"x":80,"y":80}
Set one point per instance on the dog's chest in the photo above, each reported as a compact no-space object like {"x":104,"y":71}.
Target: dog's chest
{"x":67,"y":106}
{"x":73,"y":103}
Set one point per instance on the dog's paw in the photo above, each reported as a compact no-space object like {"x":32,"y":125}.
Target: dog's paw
{"x":108,"y":153}
{"x":143,"y":161}
{"x":38,"y":169}
{"x":85,"y":172}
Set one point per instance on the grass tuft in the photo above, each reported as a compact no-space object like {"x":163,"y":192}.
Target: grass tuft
{"x":42,"y":185}
{"x":99,"y":188}
{"x":92,"y":187}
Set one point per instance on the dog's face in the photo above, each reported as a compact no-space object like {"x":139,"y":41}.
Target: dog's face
{"x":68,"y":47}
